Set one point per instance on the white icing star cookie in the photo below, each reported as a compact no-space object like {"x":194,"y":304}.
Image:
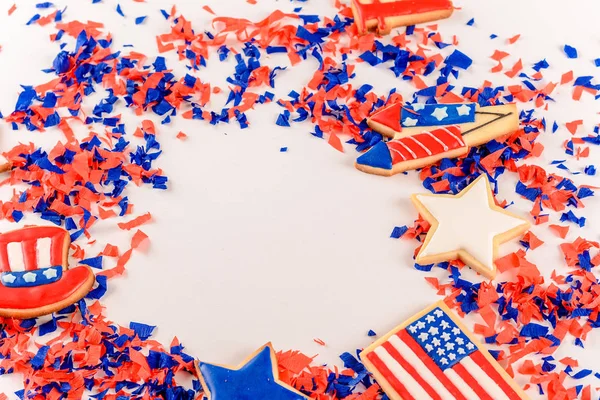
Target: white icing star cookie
{"x":469,"y":226}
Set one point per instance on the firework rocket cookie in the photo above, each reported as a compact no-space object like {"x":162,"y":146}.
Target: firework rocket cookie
{"x":255,"y":378}
{"x":434,"y":356}
{"x":426,"y":133}
{"x":469,"y":226}
{"x":384,"y":15}
{"x":35,"y":278}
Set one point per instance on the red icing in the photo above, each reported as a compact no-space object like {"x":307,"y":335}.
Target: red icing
{"x":28,"y":238}
{"x":493,"y":373}
{"x":408,"y":148}
{"x":472,"y":382}
{"x":389,"y":376}
{"x":429,"y":363}
{"x":411,"y":370}
{"x":379,"y":11}
{"x":389,"y":116}
{"x":24,"y":298}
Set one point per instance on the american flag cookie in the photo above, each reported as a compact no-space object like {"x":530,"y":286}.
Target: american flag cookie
{"x":35,"y":278}
{"x":434,"y":356}
{"x":423,"y":134}
{"x":468,"y":226}
{"x":382,"y":16}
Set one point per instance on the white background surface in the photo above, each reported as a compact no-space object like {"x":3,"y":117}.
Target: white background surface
{"x":251,"y":245}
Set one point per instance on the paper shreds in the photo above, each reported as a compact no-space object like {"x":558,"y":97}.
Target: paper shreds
{"x":571,"y":52}
{"x":91,"y":352}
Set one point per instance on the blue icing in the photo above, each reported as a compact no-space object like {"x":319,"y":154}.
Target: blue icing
{"x":441,"y":338}
{"x":36,"y":277}
{"x":377,"y":156}
{"x":437,"y":114}
{"x":253,"y":381}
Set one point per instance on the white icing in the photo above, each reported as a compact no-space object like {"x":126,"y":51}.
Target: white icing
{"x":463,"y":110}
{"x":420,"y":145}
{"x":411,"y":385}
{"x":50,"y":273}
{"x":29,"y":277}
{"x":417,"y":106}
{"x":484,"y":380}
{"x":412,"y":153}
{"x":9,"y":278}
{"x":419,"y":366}
{"x":459,"y":140}
{"x":410,"y":121}
{"x":397,"y":152}
{"x":440,"y":113}
{"x":437,"y":140}
{"x":461,"y":385}
{"x":467,"y":223}
{"x":16,"y":260}
{"x":44,"y":252}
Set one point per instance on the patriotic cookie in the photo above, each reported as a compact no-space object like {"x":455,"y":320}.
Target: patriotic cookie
{"x":384,"y":15}
{"x":434,"y":356}
{"x":424,"y":134}
{"x":35,"y":278}
{"x":469,"y":226}
{"x":255,"y":378}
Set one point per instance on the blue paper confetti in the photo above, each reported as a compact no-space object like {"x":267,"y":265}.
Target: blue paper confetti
{"x":398,"y":232}
{"x":142,"y":330}
{"x":571,"y":52}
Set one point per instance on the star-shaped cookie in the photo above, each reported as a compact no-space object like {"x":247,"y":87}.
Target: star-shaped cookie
{"x":256,"y":378}
{"x":469,"y":226}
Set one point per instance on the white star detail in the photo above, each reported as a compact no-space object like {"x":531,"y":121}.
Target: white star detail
{"x":438,"y":313}
{"x":410,"y":121}
{"x":436,"y":342}
{"x":445,"y":325}
{"x":423,"y":336}
{"x":452,"y":356}
{"x":444,"y":360}
{"x":9,"y":278}
{"x":460,"y":341}
{"x":463,"y":110}
{"x":446,"y":336}
{"x":468,"y":226}
{"x":460,"y":350}
{"x":420,"y":324}
{"x":470,"y":346}
{"x":433,"y":330}
{"x":417,"y":106}
{"x":29,"y":277}
{"x":412,"y":329}
{"x":450,"y":346}
{"x":456,"y":331}
{"x":430,"y":318}
{"x":441,"y":352}
{"x":440,"y":113}
{"x":429,"y":347}
{"x":50,"y":273}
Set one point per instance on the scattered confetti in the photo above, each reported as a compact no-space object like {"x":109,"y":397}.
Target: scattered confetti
{"x":524,"y":315}
{"x":571,"y":52}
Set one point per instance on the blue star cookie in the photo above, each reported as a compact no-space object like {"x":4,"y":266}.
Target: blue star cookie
{"x":255,"y":379}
